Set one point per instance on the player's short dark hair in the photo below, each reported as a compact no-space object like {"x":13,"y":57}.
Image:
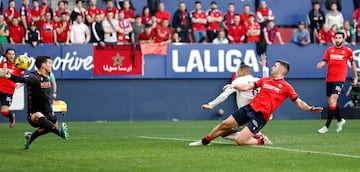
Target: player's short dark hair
{"x":9,"y":49}
{"x":285,"y":64}
{"x":197,"y":2}
{"x":339,"y":33}
{"x":40,"y":60}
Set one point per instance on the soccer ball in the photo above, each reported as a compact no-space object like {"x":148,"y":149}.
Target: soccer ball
{"x":22,"y":62}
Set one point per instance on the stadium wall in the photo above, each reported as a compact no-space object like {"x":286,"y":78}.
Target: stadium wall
{"x":166,"y":91}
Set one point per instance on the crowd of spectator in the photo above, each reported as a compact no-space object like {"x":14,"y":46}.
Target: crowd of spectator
{"x":120,"y":23}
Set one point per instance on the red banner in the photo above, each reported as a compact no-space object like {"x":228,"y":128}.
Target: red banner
{"x":154,"y":48}
{"x":118,"y":60}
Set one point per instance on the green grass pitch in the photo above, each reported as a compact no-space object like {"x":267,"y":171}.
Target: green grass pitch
{"x":116,"y":146}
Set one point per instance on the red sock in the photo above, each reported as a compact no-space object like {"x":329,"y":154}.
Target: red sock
{"x":260,"y":142}
{"x":5,"y":113}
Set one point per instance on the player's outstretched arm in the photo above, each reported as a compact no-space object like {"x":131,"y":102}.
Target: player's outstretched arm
{"x":219,"y":99}
{"x":304,"y":106}
{"x":243,"y":87}
{"x":353,"y":68}
{"x":321,"y":64}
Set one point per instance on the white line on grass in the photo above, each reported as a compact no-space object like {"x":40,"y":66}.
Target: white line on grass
{"x":264,"y":147}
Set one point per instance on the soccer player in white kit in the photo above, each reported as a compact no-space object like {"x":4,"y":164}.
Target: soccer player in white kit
{"x":242,"y":97}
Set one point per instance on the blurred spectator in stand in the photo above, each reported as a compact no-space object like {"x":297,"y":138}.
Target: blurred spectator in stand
{"x":16,"y":32}
{"x":214,"y":17}
{"x":125,"y":28}
{"x":78,"y":10}
{"x":334,"y":28}
{"x":97,"y":31}
{"x":182,"y":22}
{"x":328,"y":4}
{"x":25,"y":14}
{"x":62,"y":29}
{"x":162,"y":33}
{"x":350,"y":35}
{"x":120,"y":4}
{"x":61,"y":9}
{"x":237,"y":31}
{"x":263,"y":15}
{"x":129,"y":14}
{"x":66,"y":6}
{"x":198,"y":21}
{"x":229,"y":17}
{"x":334,"y":16}
{"x":317,"y":20}
{"x":79,"y":33}
{"x":147,"y":36}
{"x":356,"y":20}
{"x":11,"y":13}
{"x":138,"y":27}
{"x":175,"y":38}
{"x":153,"y":5}
{"x":4,"y":30}
{"x":32,"y":35}
{"x":92,"y":11}
{"x":145,"y":15}
{"x":252,"y":30}
{"x":300,"y":35}
{"x":324,"y":36}
{"x":221,"y":38}
{"x":35,"y":13}
{"x":111,"y":27}
{"x":153,"y":22}
{"x":244,"y":16}
{"x":44,"y":8}
{"x":161,"y":14}
{"x":271,"y":33}
{"x":47,"y":29}
{"x":110,"y":7}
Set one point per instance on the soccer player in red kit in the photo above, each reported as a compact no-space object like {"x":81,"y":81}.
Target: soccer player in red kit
{"x":7,"y":87}
{"x":337,"y":58}
{"x":274,"y":91}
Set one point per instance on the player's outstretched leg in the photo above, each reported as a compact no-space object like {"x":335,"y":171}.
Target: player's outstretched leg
{"x":341,"y":121}
{"x":223,"y":129}
{"x":11,"y":117}
{"x":331,"y":113}
{"x":246,"y":137}
{"x":49,"y":126}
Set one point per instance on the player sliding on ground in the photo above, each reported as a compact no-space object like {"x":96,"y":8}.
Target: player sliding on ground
{"x":40,"y":114}
{"x":274,"y":91}
{"x":243,"y":76}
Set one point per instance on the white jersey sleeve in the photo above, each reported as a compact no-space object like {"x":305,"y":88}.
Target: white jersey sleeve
{"x":222,"y":97}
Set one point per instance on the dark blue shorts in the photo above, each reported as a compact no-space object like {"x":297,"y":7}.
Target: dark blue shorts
{"x":334,"y":88}
{"x":5,"y":99}
{"x":246,"y":115}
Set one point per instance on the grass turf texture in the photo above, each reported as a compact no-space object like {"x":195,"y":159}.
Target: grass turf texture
{"x":116,"y":146}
